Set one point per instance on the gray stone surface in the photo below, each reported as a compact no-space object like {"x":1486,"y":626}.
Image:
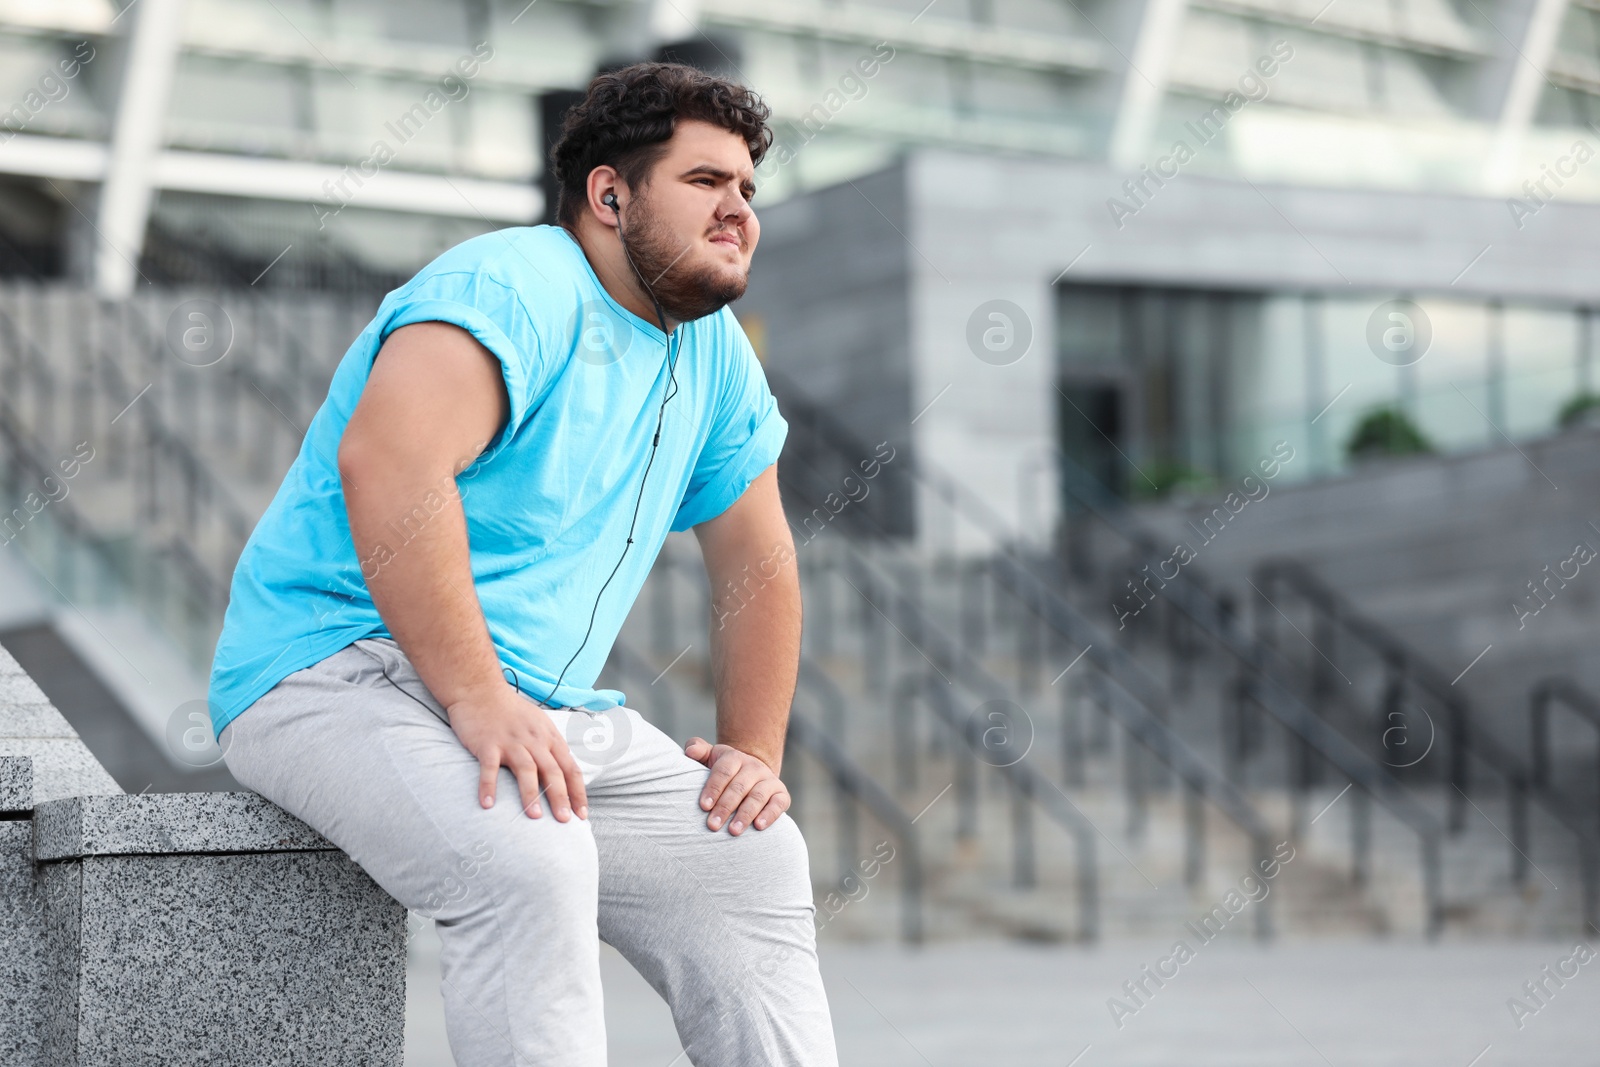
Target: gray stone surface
{"x":283,"y":958}
{"x":1301,"y":1004}
{"x":62,"y":767}
{"x":16,"y":784}
{"x":62,"y":889}
{"x":173,"y":929}
{"x":165,"y":823}
{"x":22,"y":947}
{"x":19,"y":690}
{"x":30,"y":726}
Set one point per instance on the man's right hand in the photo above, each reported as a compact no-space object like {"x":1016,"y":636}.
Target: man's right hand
{"x":503,"y":728}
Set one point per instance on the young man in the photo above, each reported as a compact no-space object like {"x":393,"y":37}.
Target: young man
{"x":418,"y":620}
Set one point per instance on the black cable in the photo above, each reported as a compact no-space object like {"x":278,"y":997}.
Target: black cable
{"x":667,"y":394}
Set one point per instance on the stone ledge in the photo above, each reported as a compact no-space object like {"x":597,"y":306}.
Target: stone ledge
{"x":62,"y":767}
{"x":154,"y":824}
{"x":16,"y":783}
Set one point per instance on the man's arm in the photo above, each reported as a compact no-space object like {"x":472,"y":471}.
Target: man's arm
{"x":755,"y":656}
{"x":434,"y":400}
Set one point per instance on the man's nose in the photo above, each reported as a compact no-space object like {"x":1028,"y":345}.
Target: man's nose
{"x":734,"y":207}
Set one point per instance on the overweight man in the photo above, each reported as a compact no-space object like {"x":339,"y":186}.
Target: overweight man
{"x":417,"y":623}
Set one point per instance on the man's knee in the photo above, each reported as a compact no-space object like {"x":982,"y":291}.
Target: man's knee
{"x":551,"y":869}
{"x":778,"y":864}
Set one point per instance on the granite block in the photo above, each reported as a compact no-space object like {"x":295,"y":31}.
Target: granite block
{"x":23,"y":951}
{"x":246,"y":960}
{"x":19,"y":720}
{"x":19,"y":689}
{"x":30,"y":726}
{"x":157,"y":823}
{"x":16,"y":784}
{"x":62,"y":767}
{"x":63,"y":921}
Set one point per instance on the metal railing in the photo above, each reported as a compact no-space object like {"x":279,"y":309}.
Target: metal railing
{"x":1196,"y":613}
{"x":1268,"y":679}
{"x":1547,"y":695}
{"x":1409,"y":672}
{"x":857,"y":791}
{"x":1029,"y":788}
{"x":1134,"y":687}
{"x":176,"y":558}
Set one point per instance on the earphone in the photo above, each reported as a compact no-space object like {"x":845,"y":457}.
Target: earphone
{"x":610,"y":200}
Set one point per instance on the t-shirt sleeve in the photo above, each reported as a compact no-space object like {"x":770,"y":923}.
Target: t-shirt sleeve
{"x":493,"y":313}
{"x":746,"y":437}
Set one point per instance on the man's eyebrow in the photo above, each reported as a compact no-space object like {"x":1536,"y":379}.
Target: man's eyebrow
{"x":718,"y":173}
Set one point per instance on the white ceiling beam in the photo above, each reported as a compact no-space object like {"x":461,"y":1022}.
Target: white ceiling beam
{"x":934,"y":36}
{"x":276,"y":179}
{"x":1451,"y":40}
{"x":136,"y":137}
{"x":1144,"y":86}
{"x":1527,"y":82}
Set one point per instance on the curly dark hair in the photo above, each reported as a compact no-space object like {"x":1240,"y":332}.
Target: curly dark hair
{"x":629,"y":115}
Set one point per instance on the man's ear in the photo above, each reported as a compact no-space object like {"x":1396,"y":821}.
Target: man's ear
{"x":604,"y":181}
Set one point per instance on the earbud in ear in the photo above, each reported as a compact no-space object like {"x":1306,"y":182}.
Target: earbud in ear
{"x":610,"y":201}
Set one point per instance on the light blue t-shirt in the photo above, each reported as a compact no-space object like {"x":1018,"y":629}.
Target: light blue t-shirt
{"x":549,"y":501}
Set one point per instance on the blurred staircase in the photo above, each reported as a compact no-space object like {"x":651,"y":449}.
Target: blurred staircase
{"x":976,"y":748}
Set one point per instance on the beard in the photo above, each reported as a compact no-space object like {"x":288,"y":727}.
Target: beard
{"x":684,"y":291}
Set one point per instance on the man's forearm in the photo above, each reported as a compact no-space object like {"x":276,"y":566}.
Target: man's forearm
{"x":755,"y":654}
{"x":423,"y":588}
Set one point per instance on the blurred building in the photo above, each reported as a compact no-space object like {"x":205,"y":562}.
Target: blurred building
{"x":1197,"y":207}
{"x":1059,"y":255}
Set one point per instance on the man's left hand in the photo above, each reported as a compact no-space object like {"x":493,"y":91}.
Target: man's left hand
{"x":740,"y":786}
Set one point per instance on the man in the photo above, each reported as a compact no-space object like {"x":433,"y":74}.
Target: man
{"x":417,"y":621}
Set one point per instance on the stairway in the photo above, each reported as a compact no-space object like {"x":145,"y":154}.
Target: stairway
{"x":977,"y":748}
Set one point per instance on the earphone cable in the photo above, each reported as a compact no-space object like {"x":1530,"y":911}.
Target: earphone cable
{"x":661,"y":413}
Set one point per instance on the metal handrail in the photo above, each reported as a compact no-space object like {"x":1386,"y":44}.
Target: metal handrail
{"x":1542,"y":701}
{"x":1142,"y":693}
{"x":203,"y":488}
{"x":1195,"y":602}
{"x":1414,"y":667}
{"x":1028,"y":787}
{"x":815,"y":682}
{"x":1265,"y":666}
{"x":865,"y":792}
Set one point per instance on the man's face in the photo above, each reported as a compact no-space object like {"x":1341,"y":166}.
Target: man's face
{"x":691,"y":230}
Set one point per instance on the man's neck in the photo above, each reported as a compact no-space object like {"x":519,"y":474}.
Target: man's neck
{"x":603,"y":249}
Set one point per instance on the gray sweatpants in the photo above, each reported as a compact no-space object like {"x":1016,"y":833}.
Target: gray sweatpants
{"x":722,"y":927}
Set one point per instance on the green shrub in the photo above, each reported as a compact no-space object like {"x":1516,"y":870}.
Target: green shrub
{"x":1386,"y":431}
{"x":1580,"y":410}
{"x":1168,"y":476}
